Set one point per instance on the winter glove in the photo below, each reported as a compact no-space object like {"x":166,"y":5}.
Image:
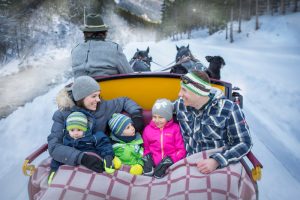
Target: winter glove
{"x":138,"y":121}
{"x":51,"y":176}
{"x":92,"y":162}
{"x":108,"y":164}
{"x":117,"y":162}
{"x":148,"y":165}
{"x":161,"y":168}
{"x":136,"y":169}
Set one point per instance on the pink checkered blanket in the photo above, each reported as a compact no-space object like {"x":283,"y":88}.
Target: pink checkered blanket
{"x":183,"y":181}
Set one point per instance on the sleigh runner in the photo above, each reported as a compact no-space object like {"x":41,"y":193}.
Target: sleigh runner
{"x":183,"y":180}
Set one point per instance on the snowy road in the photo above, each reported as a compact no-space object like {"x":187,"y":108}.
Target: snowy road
{"x":34,"y":78}
{"x":279,"y":169}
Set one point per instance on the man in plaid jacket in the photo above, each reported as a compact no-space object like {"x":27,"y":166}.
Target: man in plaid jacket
{"x":209,"y":122}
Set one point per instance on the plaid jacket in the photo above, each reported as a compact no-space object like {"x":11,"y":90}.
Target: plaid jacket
{"x":220,"y":124}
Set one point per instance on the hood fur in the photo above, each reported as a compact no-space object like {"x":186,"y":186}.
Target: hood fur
{"x":64,"y":100}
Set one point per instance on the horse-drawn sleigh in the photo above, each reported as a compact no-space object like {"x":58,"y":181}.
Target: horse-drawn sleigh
{"x":183,"y":180}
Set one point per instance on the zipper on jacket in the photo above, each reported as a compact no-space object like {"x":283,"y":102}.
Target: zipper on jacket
{"x":162,"y":143}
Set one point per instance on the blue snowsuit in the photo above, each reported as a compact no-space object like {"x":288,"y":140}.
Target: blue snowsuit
{"x":98,"y":143}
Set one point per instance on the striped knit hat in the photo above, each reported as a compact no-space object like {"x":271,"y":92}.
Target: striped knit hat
{"x":118,"y":123}
{"x":77,"y":120}
{"x":195,"y":84}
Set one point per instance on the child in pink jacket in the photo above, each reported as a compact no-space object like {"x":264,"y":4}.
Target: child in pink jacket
{"x":163,"y":142}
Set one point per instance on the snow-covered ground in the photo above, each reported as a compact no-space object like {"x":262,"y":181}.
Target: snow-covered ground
{"x":264,"y":64}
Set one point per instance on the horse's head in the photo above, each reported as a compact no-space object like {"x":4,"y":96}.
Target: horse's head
{"x":141,"y":61}
{"x":182,"y":52}
{"x":143,"y":56}
{"x":185,"y":61}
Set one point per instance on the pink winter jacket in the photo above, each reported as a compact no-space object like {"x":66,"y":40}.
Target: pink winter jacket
{"x":163,"y":142}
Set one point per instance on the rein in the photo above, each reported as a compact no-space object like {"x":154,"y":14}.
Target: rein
{"x":165,"y":68}
{"x":184,"y":59}
{"x":137,"y":59}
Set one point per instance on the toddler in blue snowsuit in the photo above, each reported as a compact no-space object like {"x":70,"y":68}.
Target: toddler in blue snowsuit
{"x":79,"y":135}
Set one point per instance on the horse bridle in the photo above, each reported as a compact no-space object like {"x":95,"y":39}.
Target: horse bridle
{"x":188,"y":54}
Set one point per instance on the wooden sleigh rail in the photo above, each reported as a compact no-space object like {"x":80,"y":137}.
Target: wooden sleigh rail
{"x":28,"y":168}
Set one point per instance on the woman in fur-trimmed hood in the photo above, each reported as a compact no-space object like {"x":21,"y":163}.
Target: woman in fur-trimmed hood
{"x":83,"y":96}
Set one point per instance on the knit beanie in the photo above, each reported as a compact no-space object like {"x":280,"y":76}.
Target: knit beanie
{"x":83,"y":86}
{"x":77,"y":120}
{"x":196,"y":84}
{"x":118,"y":123}
{"x":164,"y":108}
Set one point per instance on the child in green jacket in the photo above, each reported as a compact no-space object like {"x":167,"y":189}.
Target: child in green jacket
{"x":127,"y":144}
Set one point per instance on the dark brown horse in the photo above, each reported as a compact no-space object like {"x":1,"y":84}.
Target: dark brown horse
{"x":185,"y":61}
{"x":141,"y":61}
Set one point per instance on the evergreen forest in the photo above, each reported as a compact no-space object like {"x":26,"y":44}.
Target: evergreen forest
{"x":29,"y":25}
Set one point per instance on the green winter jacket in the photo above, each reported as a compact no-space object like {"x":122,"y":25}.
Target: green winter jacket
{"x":129,"y":153}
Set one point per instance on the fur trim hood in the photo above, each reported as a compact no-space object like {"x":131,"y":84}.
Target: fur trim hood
{"x":64,"y":99}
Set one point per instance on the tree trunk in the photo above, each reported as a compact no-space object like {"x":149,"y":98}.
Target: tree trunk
{"x":231,"y":25}
{"x":226,"y":36}
{"x":189,"y":34}
{"x":268,"y":6}
{"x":17,"y":43}
{"x":256,"y":15}
{"x":295,"y":5}
{"x":282,"y":6}
{"x":249,"y":10}
{"x":240,"y":17}
{"x":272,"y":8}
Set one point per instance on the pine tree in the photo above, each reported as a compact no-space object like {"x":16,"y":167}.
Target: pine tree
{"x":231,"y":25}
{"x":295,"y":6}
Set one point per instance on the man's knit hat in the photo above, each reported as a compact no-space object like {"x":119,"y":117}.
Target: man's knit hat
{"x":77,"y":120}
{"x":197,"y":82}
{"x":83,"y":86}
{"x":164,"y":108}
{"x":118,"y":123}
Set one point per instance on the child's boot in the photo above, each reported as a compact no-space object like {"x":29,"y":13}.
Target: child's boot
{"x":51,"y":176}
{"x":117,"y":162}
{"x":136,"y":169}
{"x":108,"y":164}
